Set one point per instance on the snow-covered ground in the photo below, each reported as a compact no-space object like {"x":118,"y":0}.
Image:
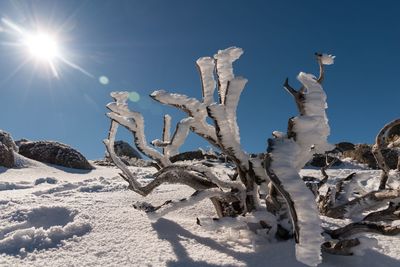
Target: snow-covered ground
{"x":52,"y":216}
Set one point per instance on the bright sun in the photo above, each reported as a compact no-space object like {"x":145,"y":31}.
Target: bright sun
{"x":42,"y":46}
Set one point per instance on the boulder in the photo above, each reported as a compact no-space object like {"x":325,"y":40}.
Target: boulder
{"x":6,"y":156}
{"x":20,"y":141}
{"x":192,"y":155}
{"x":7,"y":140}
{"x":345,"y":146}
{"x":123,"y":149}
{"x":54,"y":153}
{"x":363,"y":154}
{"x":128,"y":161}
{"x":319,"y":160}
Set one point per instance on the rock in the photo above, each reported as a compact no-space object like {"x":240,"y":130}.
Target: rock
{"x":319,"y":160}
{"x":6,"y":156}
{"x":345,"y":146}
{"x":192,"y":155}
{"x":20,"y":141}
{"x":391,"y":156}
{"x":103,"y":162}
{"x":123,"y":149}
{"x":363,"y":154}
{"x":128,"y":161}
{"x":54,"y":153}
{"x":7,"y":140}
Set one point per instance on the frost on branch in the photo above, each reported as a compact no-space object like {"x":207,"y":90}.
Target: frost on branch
{"x":307,"y":135}
{"x":265,"y":190}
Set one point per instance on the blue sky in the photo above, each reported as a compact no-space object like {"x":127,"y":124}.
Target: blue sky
{"x":143,"y":46}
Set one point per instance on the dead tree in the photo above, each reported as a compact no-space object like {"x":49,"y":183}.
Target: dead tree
{"x":267,"y":184}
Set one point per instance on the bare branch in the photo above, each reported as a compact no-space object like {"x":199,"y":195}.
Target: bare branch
{"x":109,"y":143}
{"x":321,"y":68}
{"x":359,"y":227}
{"x":391,"y":213}
{"x":198,"y":196}
{"x":278,"y":185}
{"x":327,"y":166}
{"x":194,"y":109}
{"x":342,"y":182}
{"x":380,"y":143}
{"x":134,"y":122}
{"x":289,"y":88}
{"x":166,"y":135}
{"x":368,"y":201}
{"x":340,"y":247}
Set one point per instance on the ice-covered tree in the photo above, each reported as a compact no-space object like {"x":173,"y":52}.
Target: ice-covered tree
{"x":266,"y":188}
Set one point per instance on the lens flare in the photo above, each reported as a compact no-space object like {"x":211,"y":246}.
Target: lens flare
{"x":134,"y":96}
{"x":104,"y":80}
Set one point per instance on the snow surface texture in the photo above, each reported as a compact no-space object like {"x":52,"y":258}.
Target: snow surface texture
{"x":99,"y":227}
{"x":289,"y":156}
{"x":40,"y":228}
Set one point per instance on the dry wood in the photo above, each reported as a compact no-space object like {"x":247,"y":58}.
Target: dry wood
{"x":360,"y":227}
{"x":368,"y":201}
{"x":380,"y":143}
{"x":340,"y":247}
{"x":289,"y":202}
{"x":391,"y":213}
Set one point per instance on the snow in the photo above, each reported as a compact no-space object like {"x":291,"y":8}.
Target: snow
{"x":40,"y":228}
{"x":196,"y":111}
{"x":134,"y":122}
{"x":235,"y":89}
{"x":206,"y":66}
{"x":227,"y":137}
{"x":289,"y":156}
{"x":327,"y":59}
{"x":286,"y":153}
{"x":225,"y":59}
{"x":61,"y":222}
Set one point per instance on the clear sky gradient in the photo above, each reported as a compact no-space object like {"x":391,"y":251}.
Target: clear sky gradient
{"x":142,"y":46}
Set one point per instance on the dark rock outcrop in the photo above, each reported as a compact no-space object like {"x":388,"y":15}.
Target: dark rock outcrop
{"x":54,"y":153}
{"x":345,"y":146}
{"x":7,"y":140}
{"x":123,"y":149}
{"x":107,"y":162}
{"x":20,"y":141}
{"x":192,"y":155}
{"x":6,"y":156}
{"x":363,"y":154}
{"x":319,"y":160}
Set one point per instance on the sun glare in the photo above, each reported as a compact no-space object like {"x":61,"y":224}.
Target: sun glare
{"x":42,"y":46}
